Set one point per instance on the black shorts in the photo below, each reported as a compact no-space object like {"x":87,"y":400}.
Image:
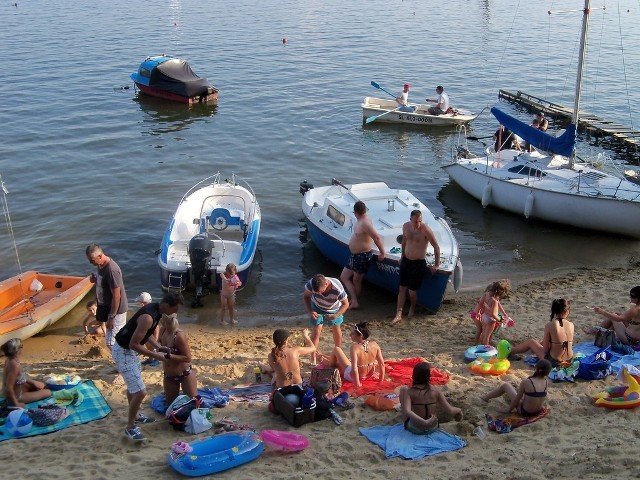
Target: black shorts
{"x":359,"y":262}
{"x":412,"y":272}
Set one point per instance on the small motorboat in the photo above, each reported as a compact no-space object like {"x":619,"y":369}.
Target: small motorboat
{"x":31,"y":301}
{"x":171,"y":78}
{"x":216,"y":453}
{"x":217,"y":222}
{"x":388,"y":111}
{"x":330,"y":219}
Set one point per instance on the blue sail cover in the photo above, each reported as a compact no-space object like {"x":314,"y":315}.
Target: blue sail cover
{"x":562,"y":145}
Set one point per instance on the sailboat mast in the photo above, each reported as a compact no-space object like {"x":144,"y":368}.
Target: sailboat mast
{"x":581,"y":57}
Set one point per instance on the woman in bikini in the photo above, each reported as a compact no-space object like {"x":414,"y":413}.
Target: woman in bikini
{"x":531,"y":394}
{"x":557,"y":343}
{"x":365,"y":356}
{"x":419,"y":402}
{"x":627,"y":324}
{"x":284,"y":361}
{"x":177,"y":363}
{"x":486,"y":314}
{"x":17,"y":388}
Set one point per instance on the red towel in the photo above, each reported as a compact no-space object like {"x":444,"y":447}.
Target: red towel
{"x":399,"y":372}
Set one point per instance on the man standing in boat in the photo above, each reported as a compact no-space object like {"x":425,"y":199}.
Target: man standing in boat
{"x":363,"y":238}
{"x":416,"y":237}
{"x":442,"y":102}
{"x":110,"y":293}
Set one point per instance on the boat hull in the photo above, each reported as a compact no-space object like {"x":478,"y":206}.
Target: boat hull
{"x":209,"y":98}
{"x":542,"y":199}
{"x":24,"y":313}
{"x":372,"y":107}
{"x":329,"y":218}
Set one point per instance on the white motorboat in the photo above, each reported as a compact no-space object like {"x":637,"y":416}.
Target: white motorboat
{"x":550,"y":186}
{"x":417,"y":114}
{"x":330,"y":219}
{"x":217,"y":222}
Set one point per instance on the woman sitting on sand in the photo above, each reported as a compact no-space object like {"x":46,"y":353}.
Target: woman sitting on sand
{"x":419,"y":402}
{"x":627,"y":324}
{"x":557,"y":343}
{"x":486,"y":314}
{"x":17,"y":388}
{"x":284,"y":361}
{"x":531,"y":394}
{"x":177,"y":363}
{"x":365,"y":354}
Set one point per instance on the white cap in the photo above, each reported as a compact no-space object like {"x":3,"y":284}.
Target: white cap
{"x":144,"y":297}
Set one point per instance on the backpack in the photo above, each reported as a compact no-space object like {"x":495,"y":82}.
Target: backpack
{"x":180,"y":410}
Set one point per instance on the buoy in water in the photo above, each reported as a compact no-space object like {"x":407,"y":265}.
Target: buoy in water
{"x":284,"y":40}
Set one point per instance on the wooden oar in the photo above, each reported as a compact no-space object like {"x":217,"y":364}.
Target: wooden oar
{"x":374,"y":84}
{"x":372,"y":119}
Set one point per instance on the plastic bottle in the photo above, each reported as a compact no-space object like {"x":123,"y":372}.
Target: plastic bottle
{"x":258,"y":374}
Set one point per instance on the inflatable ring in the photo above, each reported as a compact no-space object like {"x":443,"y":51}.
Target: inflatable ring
{"x":287,"y":441}
{"x":219,"y":218}
{"x":483,"y":351}
{"x":623,"y":396}
{"x":494,"y":366}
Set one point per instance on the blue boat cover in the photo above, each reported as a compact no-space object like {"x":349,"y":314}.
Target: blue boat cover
{"x":562,"y":145}
{"x":177,"y":77}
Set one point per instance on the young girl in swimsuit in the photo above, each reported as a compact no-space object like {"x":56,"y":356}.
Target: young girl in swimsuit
{"x":557,"y":342}
{"x":17,"y":388}
{"x":530,"y":396}
{"x":419,"y":402}
{"x":177,"y":360}
{"x":230,"y":283}
{"x":365,"y":355}
{"x":486,"y":316}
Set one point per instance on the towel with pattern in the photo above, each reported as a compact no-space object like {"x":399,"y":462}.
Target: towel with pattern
{"x":396,"y":441}
{"x":211,"y":397}
{"x":252,"y":392}
{"x":506,"y":425}
{"x":93,"y":407}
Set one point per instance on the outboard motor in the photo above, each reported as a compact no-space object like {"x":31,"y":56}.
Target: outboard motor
{"x":305,"y":187}
{"x":199,"y":256}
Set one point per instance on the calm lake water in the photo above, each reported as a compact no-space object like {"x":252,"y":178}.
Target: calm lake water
{"x":87,"y":161}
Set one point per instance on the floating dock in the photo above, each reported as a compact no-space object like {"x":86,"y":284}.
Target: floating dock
{"x":623,"y":140}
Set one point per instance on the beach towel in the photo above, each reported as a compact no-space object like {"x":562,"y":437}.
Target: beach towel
{"x":506,"y":425}
{"x":398,"y":442}
{"x":400,"y":373}
{"x":93,"y":407}
{"x":588,"y":348}
{"x":252,"y":392}
{"x":211,"y":397}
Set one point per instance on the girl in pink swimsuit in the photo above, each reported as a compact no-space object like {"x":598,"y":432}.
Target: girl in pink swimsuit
{"x":230,"y":283}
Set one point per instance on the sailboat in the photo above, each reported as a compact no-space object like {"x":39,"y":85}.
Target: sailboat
{"x":31,"y":301}
{"x":548,"y":183}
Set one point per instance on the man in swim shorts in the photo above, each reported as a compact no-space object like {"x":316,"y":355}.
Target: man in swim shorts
{"x":364,"y":236}
{"x":416,"y":237}
{"x":326,"y":301}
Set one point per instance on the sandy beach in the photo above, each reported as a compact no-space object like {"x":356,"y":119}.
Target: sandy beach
{"x":577,"y":440}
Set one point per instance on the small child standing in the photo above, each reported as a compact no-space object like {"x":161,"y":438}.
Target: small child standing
{"x":90,"y":324}
{"x":486,"y":315}
{"x":230,"y":283}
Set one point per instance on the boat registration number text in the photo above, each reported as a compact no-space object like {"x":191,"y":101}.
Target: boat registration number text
{"x":414,"y":118}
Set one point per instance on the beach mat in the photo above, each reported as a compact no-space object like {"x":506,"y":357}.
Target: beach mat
{"x":506,"y":425}
{"x":399,"y":372}
{"x":251,"y":392}
{"x":588,"y":348}
{"x":93,"y":407}
{"x":398,"y":442}
{"x":211,"y":398}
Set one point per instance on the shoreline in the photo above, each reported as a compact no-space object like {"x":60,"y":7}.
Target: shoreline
{"x":576,"y":439}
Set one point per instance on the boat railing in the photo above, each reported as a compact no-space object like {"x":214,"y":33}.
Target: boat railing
{"x":216,"y":179}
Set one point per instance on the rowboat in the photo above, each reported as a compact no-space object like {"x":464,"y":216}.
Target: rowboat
{"x":217,"y":222}
{"x":328,"y":211}
{"x":171,"y":78}
{"x":388,"y":111}
{"x":32,"y":301}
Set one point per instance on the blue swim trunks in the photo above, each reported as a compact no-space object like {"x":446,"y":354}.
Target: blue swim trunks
{"x":320,"y":319}
{"x":359,"y":262}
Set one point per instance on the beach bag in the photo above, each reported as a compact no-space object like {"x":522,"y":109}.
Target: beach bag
{"x":180,"y":409}
{"x":327,"y":376}
{"x":198,"y":421}
{"x":46,"y":415}
{"x":608,"y":338}
{"x":595,"y":366}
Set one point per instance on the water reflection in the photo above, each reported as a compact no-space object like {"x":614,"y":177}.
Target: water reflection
{"x":164,"y":116}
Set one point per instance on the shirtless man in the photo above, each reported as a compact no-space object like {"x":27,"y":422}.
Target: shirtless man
{"x":364,"y":236}
{"x":285,"y":361}
{"x":416,"y":237}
